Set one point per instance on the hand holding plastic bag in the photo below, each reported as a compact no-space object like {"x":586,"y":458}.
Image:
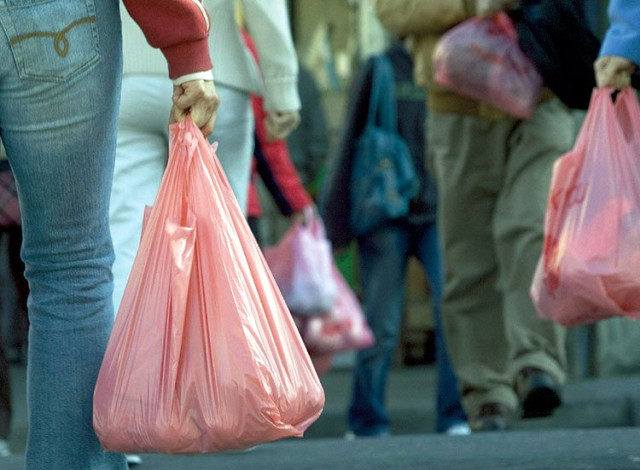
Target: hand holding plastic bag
{"x":204,"y":355}
{"x":590,"y":266}
{"x":480,"y":58}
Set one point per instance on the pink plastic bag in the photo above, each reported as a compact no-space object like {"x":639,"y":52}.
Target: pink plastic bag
{"x":204,"y":355}
{"x":589,"y":269}
{"x":480,"y":58}
{"x":301,"y":265}
{"x":344,"y":328}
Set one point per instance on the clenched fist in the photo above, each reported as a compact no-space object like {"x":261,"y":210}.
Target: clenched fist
{"x":198,"y":98}
{"x":280,"y":125}
{"x":613,"y":71}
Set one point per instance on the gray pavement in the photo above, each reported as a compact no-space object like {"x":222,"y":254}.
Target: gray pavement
{"x":611,"y":449}
{"x":597,"y":428}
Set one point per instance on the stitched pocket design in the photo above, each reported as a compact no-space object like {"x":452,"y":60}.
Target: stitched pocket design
{"x":51,"y":40}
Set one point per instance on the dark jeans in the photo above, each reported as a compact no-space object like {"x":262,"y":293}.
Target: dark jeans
{"x":383,"y":263}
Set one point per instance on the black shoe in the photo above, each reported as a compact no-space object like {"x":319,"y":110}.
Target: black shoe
{"x":538,"y":392}
{"x":490,"y":417}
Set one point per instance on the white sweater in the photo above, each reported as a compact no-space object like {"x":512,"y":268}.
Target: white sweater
{"x":267,"y":22}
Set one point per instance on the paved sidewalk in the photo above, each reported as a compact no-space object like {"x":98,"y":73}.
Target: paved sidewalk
{"x":595,"y":429}
{"x":588,"y":403}
{"x":602,"y":449}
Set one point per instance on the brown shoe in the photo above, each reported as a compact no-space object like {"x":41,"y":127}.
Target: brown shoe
{"x":538,"y":392}
{"x":491,"y":417}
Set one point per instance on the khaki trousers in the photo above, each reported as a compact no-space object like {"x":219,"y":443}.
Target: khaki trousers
{"x":493,"y":180}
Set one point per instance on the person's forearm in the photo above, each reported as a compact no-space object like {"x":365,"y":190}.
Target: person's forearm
{"x":268,"y":24}
{"x":623,"y":36}
{"x":275,"y":167}
{"x":179,"y":28}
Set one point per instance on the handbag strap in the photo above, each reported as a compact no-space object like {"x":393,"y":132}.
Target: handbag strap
{"x":382,"y":99}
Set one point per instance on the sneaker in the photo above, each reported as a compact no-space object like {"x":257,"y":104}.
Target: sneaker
{"x":241,"y":451}
{"x":4,"y":448}
{"x":133,"y":460}
{"x":350,"y":435}
{"x":458,"y":429}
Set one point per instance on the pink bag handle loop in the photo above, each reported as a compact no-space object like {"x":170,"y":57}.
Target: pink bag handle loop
{"x":628,"y":113}
{"x":506,"y":25}
{"x":598,"y":102}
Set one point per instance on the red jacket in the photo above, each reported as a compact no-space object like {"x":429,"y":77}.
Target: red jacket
{"x":271,"y":160}
{"x":179,"y":28}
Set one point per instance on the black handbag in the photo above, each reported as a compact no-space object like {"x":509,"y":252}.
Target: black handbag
{"x":555,"y":35}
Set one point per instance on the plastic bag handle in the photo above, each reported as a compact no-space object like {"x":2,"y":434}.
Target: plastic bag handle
{"x":382,"y":99}
{"x":505,"y":23}
{"x":627,"y":113}
{"x":599,"y":99}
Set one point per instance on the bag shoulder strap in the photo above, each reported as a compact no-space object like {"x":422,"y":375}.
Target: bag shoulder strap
{"x":382,"y":100}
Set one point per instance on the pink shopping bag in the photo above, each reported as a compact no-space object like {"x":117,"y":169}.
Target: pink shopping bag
{"x":301,"y":265}
{"x":481,"y":58}
{"x":204,"y":355}
{"x":589,"y":269}
{"x":344,"y":328}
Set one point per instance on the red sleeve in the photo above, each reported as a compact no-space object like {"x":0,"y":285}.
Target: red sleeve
{"x":179,"y":28}
{"x":272,"y":158}
{"x":275,"y":167}
{"x":254,"y":208}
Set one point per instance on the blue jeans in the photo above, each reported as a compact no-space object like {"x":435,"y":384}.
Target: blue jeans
{"x":58,"y":108}
{"x":383,"y":262}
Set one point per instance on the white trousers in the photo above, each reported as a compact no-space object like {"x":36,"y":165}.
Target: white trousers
{"x":141,"y":157}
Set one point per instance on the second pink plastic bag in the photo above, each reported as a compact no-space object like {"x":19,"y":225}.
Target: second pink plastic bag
{"x":590,"y":266}
{"x":204,"y":355}
{"x":301,"y":264}
{"x":344,"y":328}
{"x":480,"y":58}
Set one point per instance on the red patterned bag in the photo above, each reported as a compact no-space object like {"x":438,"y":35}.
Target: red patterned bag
{"x":481,"y":58}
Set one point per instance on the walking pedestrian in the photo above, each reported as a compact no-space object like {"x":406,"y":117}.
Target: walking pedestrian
{"x":385,"y":252}
{"x":272,"y":163}
{"x":142,"y":142}
{"x":59,"y":91}
{"x":492,"y":173}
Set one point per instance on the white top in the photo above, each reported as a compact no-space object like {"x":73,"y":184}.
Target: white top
{"x":268,"y":23}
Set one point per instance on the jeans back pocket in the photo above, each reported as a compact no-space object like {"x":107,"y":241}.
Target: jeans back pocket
{"x":51,"y":40}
